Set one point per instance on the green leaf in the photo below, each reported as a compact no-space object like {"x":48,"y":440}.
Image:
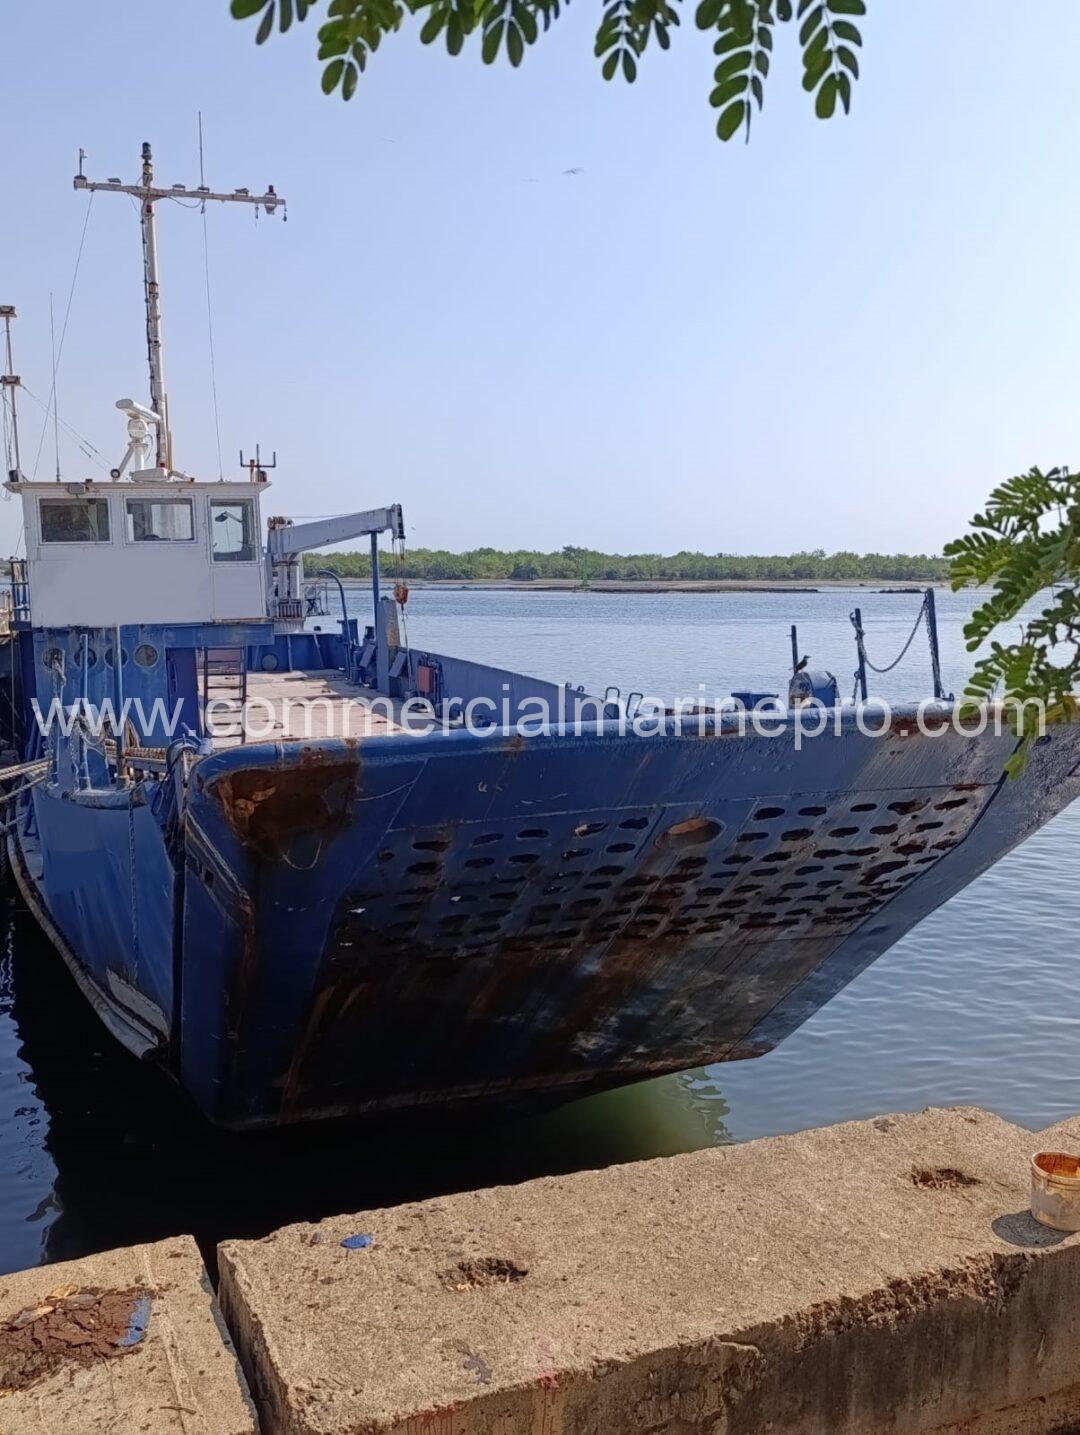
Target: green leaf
{"x":611,"y":64}
{"x":266,"y":27}
{"x":526,"y":21}
{"x":489,"y":48}
{"x":730,"y":122}
{"x":432,"y":27}
{"x":286,"y":14}
{"x":338,"y":45}
{"x":244,"y":9}
{"x":708,"y":12}
{"x":732,"y":66}
{"x":843,"y":83}
{"x":845,"y":30}
{"x":629,"y":67}
{"x":515,"y":47}
{"x":727,"y":42}
{"x":331,"y":76}
{"x":818,"y":46}
{"x":727,"y":91}
{"x":849,"y":58}
{"x":847,"y":7}
{"x":815,"y":69}
{"x":348,"y":84}
{"x":455,"y":34}
{"x":811,"y":23}
{"x":741,"y":13}
{"x":606,"y":36}
{"x":826,"y":99}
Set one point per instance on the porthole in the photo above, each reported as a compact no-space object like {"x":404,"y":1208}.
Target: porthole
{"x":269,"y":663}
{"x":53,"y":659}
{"x":110,"y":658}
{"x":146,"y":655}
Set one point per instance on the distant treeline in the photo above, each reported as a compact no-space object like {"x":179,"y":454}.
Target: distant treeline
{"x":586,"y":565}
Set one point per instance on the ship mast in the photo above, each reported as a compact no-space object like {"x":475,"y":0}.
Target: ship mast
{"x":9,"y":384}
{"x":147,"y":193}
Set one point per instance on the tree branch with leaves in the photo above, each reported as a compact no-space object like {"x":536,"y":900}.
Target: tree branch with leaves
{"x":743,"y":34}
{"x":1026,"y":544}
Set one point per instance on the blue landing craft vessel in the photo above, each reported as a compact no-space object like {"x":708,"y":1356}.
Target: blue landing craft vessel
{"x":320,"y":919}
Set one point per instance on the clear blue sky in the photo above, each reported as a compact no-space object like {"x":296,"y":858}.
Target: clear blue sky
{"x":839,"y":336}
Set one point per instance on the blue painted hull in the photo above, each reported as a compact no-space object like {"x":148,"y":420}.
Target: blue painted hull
{"x":342,"y":928}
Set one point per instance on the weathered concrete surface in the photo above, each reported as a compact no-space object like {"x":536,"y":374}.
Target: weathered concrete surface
{"x":180,"y":1378}
{"x":881,"y":1276}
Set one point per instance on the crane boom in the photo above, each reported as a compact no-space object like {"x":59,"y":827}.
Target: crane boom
{"x":287,"y":539}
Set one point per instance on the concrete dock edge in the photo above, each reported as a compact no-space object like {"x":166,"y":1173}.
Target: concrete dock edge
{"x":123,"y":1342}
{"x":877,"y":1276}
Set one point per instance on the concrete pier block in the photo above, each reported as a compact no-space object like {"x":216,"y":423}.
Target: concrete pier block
{"x":878,"y":1276}
{"x":125,"y":1342}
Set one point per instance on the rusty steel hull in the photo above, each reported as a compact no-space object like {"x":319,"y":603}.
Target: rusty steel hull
{"x":419,"y":923}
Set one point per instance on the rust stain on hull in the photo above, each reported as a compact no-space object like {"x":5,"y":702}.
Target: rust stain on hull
{"x":269,"y":807}
{"x":533,"y":951}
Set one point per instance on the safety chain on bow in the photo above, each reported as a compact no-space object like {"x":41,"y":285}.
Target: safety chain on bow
{"x":903,"y":651}
{"x":860,"y":638}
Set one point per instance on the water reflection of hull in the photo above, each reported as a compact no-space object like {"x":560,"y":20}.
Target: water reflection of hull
{"x":456,"y":922}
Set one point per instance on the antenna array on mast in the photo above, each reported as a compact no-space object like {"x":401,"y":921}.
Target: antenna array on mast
{"x":147,"y":193}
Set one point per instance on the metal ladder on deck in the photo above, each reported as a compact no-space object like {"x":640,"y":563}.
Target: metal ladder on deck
{"x":225,"y":685}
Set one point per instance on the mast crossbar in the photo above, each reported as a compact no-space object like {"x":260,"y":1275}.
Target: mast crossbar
{"x":268,"y":201}
{"x":148,"y":194}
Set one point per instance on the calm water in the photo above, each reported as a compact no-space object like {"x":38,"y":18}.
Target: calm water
{"x":979,"y":1004}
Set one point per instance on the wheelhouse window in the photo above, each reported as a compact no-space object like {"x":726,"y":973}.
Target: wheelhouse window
{"x":160,"y":520}
{"x":232,"y":531}
{"x":74,"y":520}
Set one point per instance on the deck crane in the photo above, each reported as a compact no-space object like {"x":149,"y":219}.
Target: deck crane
{"x":287,"y":542}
